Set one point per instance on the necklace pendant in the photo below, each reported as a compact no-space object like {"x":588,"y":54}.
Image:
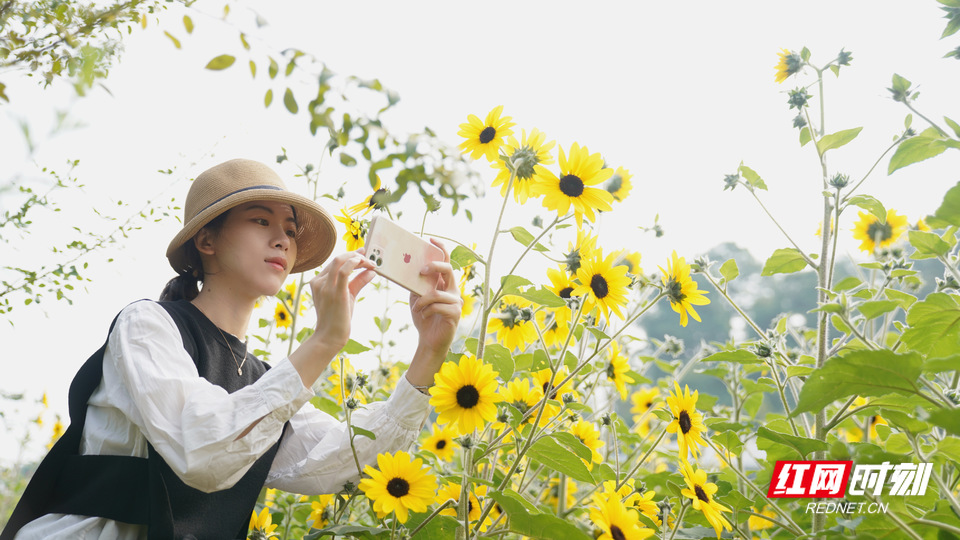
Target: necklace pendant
{"x":239,"y":371}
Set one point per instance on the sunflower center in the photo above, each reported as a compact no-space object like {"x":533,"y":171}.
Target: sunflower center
{"x":599,"y":286}
{"x":684,"y":421}
{"x":553,"y":394}
{"x":616,"y":533}
{"x":441,"y":444}
{"x":468,"y":396}
{"x":398,"y":487}
{"x":511,"y":315}
{"x":378,"y":199}
{"x":701,"y":494}
{"x":571,"y":185}
{"x":879,"y":232}
{"x":675,"y":291}
{"x":487,"y":134}
{"x":615,"y":183}
{"x":611,"y":371}
{"x":565,"y":292}
{"x":573,"y":261}
{"x":649,"y":404}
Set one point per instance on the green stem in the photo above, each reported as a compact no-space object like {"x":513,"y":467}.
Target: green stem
{"x":683,"y":510}
{"x":459,"y":243}
{"x":806,"y":259}
{"x":623,"y":481}
{"x":464,"y":503}
{"x":896,"y":519}
{"x":487,"y":269}
{"x":435,"y":513}
{"x":529,"y":247}
{"x":843,"y":414}
{"x":875,"y":163}
{"x":927,"y":120}
{"x":939,"y":525}
{"x":950,"y":267}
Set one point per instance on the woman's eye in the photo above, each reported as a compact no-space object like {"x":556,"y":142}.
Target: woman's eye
{"x":292,"y":233}
{"x":261,"y":221}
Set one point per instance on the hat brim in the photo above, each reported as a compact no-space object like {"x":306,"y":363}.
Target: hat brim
{"x":316,"y":232}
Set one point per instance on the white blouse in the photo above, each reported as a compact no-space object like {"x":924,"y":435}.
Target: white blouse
{"x":194,"y":424}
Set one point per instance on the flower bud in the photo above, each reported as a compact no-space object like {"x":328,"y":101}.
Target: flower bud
{"x":844,"y":57}
{"x":731,"y":181}
{"x":352,"y":403}
{"x":799,"y":121}
{"x":839,"y":180}
{"x":798,"y":98}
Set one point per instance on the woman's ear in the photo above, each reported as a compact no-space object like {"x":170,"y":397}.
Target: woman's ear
{"x":204,"y":241}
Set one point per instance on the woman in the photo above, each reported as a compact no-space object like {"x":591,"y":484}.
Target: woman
{"x":176,"y":427}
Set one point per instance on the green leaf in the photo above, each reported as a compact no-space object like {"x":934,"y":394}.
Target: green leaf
{"x":510,"y":284}
{"x":801,"y":445}
{"x":739,"y":356}
{"x":948,"y":419}
{"x":784,"y":261}
{"x":188,"y":24}
{"x":268,"y":98}
{"x":934,"y":325}
{"x":221,"y":62}
{"x":273,"y":69}
{"x":253,"y":69}
{"x":347,"y":160}
{"x":290,"y":102}
{"x":176,"y":42}
{"x":874,"y":309}
{"x":924,"y":146}
{"x":574,"y":444}
{"x":500,"y":359}
{"x":949,"y":211}
{"x":328,"y":406}
{"x":871,"y":205}
{"x":953,"y":125}
{"x":728,"y":440}
{"x":550,"y":453}
{"x":865,"y":373}
{"x":928,"y":243}
{"x":752,"y":177}
{"x":544,"y":297}
{"x":438,"y":527}
{"x":363,"y":432}
{"x":804,"y":136}
{"x":526,"y":238}
{"x":353,"y":347}
{"x":462,"y":257}
{"x":536,"y":525}
{"x":939,"y":365}
{"x":353,"y":531}
{"x":904,"y":299}
{"x":847,"y":283}
{"x":799,"y":371}
{"x":729,"y":270}
{"x":836,"y":140}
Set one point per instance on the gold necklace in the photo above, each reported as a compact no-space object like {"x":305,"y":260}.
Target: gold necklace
{"x":227,"y":343}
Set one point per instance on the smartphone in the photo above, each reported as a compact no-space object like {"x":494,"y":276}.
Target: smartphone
{"x":398,"y":255}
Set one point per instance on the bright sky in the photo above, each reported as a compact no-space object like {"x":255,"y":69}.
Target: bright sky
{"x":678,"y":93}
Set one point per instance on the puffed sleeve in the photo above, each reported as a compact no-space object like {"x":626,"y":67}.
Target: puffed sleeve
{"x":315,"y":455}
{"x":193,"y":423}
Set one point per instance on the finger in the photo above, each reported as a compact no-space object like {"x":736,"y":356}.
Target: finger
{"x":439,"y":244}
{"x":446,"y":311}
{"x":445,"y":271}
{"x":435,"y":297}
{"x":360,"y":281}
{"x":347,"y":268}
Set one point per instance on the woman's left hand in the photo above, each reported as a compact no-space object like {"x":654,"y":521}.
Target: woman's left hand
{"x":437,"y":313}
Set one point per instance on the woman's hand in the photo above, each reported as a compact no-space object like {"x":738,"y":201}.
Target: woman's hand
{"x":335,"y":296}
{"x":437,"y":313}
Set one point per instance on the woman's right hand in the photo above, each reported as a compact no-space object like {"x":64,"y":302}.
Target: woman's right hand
{"x":335,"y":295}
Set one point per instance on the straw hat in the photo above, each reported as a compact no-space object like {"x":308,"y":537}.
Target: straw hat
{"x":237,"y":181}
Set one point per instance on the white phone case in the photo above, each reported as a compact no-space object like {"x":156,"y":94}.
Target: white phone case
{"x":399,"y":255}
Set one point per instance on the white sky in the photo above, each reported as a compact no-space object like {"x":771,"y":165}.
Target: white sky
{"x":678,"y":93}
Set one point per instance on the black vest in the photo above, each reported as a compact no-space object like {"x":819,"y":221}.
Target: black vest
{"x":147,"y":491}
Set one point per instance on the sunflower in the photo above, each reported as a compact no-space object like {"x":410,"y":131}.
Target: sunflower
{"x":554,"y":325}
{"x":376,"y":200}
{"x":617,"y":369}
{"x":350,"y":376}
{"x":582,"y":249}
{"x":687,"y":422}
{"x":262,"y":526}
{"x":468,"y":301}
{"x":644,"y":401}
{"x":542,"y":379}
{"x":524,"y":156}
{"x":386,"y":376}
{"x":790,"y":63}
{"x":322,"y":511}
{"x":399,"y":485}
{"x":922,"y":226}
{"x":440,"y":442}
{"x":681,"y":289}
{"x":513,"y":323}
{"x":630,"y":259}
{"x":356,"y":230}
{"x":619,"y":184}
{"x":282,"y":316}
{"x":465,"y":393}
{"x":523,"y":396}
{"x":291,"y":296}
{"x":590,"y":437}
{"x":701,"y":492}
{"x":485,"y":138}
{"x":615,"y":520}
{"x":573,"y":187}
{"x":603,"y":284}
{"x":552,"y":493}
{"x":874,"y":233}
{"x":632,"y":498}
{"x":451,"y":490}
{"x":757,"y":523}
{"x":57,"y":433}
{"x":856,"y":434}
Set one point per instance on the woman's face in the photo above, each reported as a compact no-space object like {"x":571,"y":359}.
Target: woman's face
{"x":256,"y":248}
